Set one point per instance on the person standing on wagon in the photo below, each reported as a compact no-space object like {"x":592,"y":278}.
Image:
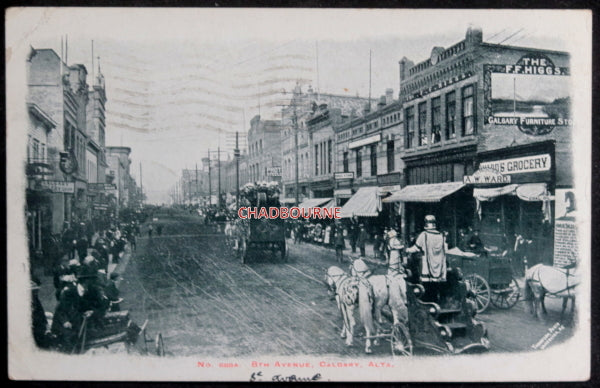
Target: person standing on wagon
{"x":432,"y":245}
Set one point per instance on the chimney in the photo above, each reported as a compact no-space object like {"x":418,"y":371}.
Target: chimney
{"x":389,"y":96}
{"x":474,"y":36}
{"x":381,"y":103}
{"x":366,"y":109}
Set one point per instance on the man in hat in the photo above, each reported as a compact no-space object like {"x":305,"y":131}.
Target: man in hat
{"x":112,"y":292}
{"x":431,"y":244}
{"x":67,"y":319}
{"x":340,"y":243}
{"x":360,"y":268}
{"x":362,"y":239}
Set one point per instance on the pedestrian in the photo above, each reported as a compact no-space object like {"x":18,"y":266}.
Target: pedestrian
{"x":159,"y":229}
{"x":395,"y":264}
{"x":39,"y":323}
{"x":362,"y":239}
{"x":112,"y":292}
{"x":340,"y":243}
{"x":150,"y":229}
{"x":68,"y":240}
{"x":67,"y":320}
{"x":81,"y":246}
{"x":353,"y":234}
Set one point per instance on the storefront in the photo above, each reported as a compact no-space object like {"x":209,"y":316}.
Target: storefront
{"x":522,"y":204}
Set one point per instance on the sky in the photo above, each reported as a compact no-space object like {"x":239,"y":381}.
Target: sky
{"x":182,"y":81}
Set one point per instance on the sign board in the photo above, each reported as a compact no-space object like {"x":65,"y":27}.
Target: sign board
{"x":59,"y":186}
{"x":514,"y":95}
{"x":274,"y":171}
{"x":525,"y":164}
{"x":343,"y":193}
{"x":68,"y":162}
{"x":486,"y":176}
{"x":343,"y":175}
{"x":100,"y":206}
{"x":102,"y":186}
{"x":34,"y":169}
{"x":365,"y":141}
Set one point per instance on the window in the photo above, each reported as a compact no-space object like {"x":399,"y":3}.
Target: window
{"x":390,"y":156}
{"x":436,"y":120}
{"x":260,"y":145}
{"x":36,"y":149}
{"x":345,"y":162}
{"x":373,"y":159}
{"x":450,"y":115}
{"x":410,"y":126}
{"x":329,"y":156}
{"x":316,"y":159}
{"x":358,"y":163}
{"x":423,"y":123}
{"x":468,"y":116}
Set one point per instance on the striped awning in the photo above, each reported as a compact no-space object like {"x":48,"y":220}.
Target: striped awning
{"x":313,"y":202}
{"x":433,"y":192}
{"x":364,"y":203}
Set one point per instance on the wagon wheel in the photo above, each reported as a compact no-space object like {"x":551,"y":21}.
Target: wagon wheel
{"x":481,"y":290}
{"x":505,"y":296}
{"x":159,"y":345}
{"x":400,"y":340}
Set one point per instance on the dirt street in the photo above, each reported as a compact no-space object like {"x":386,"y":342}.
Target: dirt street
{"x":194,"y":290}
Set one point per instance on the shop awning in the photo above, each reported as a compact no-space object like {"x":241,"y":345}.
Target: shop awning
{"x":364,"y":203}
{"x":433,"y":192}
{"x":313,"y":202}
{"x":526,"y":192}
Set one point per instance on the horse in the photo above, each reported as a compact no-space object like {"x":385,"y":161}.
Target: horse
{"x":543,"y":280}
{"x":376,"y":291}
{"x":350,"y":292}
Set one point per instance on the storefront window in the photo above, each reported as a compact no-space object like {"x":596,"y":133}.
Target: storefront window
{"x":423,"y":123}
{"x":410,"y":127}
{"x":358,"y":163}
{"x":373,"y":159}
{"x":468,"y":119}
{"x":436,"y":120}
{"x":390,"y":156}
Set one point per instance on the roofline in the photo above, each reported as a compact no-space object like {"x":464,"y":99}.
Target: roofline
{"x":36,"y":110}
{"x":525,"y":48}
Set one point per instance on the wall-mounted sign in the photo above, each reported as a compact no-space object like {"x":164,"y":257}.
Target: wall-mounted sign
{"x":68,"y":162}
{"x":365,"y":141}
{"x":342,"y":193}
{"x":102,"y":186}
{"x":59,"y":186}
{"x":274,"y":171}
{"x":532,"y":94}
{"x":100,"y":206}
{"x":343,"y":175}
{"x":440,"y":85}
{"x":521,"y":165}
{"x":486,"y":176}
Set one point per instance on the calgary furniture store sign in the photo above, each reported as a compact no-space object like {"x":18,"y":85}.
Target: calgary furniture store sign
{"x":532,"y":94}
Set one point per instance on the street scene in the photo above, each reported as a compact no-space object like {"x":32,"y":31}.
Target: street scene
{"x":375,"y":198}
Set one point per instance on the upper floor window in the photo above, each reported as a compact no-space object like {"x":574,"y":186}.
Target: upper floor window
{"x":390,"y":156}
{"x":423,"y":123}
{"x":345,"y":162}
{"x":436,"y":120}
{"x":450,"y":115}
{"x":373,"y":159}
{"x":410,"y":126}
{"x":358,"y":163}
{"x":468,"y":112}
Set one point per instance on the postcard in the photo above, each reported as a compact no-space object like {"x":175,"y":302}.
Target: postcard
{"x":305,"y":195}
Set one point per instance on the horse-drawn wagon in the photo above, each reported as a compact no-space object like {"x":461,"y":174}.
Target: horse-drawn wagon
{"x":260,"y":234}
{"x":489,"y":277}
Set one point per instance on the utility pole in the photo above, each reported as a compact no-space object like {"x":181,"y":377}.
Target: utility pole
{"x":209,"y":180}
{"x":295,"y":122}
{"x":197,"y":191}
{"x":219,"y":180}
{"x":236,"y":153}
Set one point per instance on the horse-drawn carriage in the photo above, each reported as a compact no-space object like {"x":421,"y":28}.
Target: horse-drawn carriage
{"x":256,"y":234}
{"x":434,"y":316}
{"x":489,"y":277}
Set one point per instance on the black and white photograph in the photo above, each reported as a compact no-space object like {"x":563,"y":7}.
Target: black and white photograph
{"x":297,"y":195}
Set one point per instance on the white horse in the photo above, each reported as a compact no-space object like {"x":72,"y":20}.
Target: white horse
{"x":351,"y":292}
{"x":372,"y":294}
{"x":543,"y":280}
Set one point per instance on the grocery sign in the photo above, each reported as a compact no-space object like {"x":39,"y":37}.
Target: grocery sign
{"x":59,"y":186}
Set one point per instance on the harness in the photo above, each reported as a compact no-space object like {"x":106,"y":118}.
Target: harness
{"x":568,"y":287}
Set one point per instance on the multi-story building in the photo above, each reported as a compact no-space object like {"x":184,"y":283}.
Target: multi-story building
{"x":487,"y":140}
{"x":61,"y":92}
{"x":119,"y":164}
{"x":264,"y":148}
{"x":296,"y":146}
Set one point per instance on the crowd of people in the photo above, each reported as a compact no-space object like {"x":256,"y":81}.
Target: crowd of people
{"x":84,"y":287}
